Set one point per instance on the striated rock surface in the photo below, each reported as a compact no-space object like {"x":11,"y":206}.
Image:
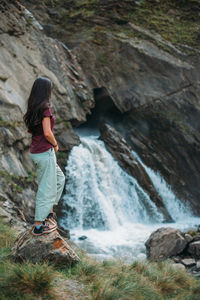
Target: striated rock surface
{"x":121,"y":151}
{"x":48,"y":247}
{"x":164,"y":243}
{"x":27,"y":53}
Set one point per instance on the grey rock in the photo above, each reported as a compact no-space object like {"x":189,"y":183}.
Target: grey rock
{"x":188,"y":237}
{"x":188,"y":262}
{"x":198,"y":265}
{"x":194,"y":249}
{"x":165,"y":243}
{"x":6,"y":217}
{"x":11,"y":164}
{"x":67,"y":139}
{"x":196,"y":238}
{"x":48,"y":247}
{"x":26,"y":200}
{"x":176,"y":259}
{"x":179,"y":266}
{"x":6,"y":136}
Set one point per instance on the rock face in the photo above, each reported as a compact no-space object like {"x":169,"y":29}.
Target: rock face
{"x":27,"y":53}
{"x":164,"y":243}
{"x":49,"y":247}
{"x":153,"y":84}
{"x":121,"y":151}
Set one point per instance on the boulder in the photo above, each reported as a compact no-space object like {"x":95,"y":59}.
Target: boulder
{"x":48,"y":247}
{"x":194,"y":249}
{"x":164,"y":243}
{"x":179,"y":266}
{"x":122,"y":152}
{"x":188,"y":262}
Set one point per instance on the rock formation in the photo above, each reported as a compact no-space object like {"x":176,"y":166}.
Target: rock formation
{"x":164,"y":243}
{"x":48,"y":247}
{"x":27,"y":53}
{"x":183,"y":249}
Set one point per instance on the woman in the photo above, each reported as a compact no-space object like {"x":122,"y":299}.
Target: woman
{"x":40,"y":122}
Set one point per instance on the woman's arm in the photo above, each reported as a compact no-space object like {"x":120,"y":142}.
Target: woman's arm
{"x":46,"y":124}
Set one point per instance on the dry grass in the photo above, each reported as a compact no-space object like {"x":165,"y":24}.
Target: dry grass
{"x":94,"y":280}
{"x":112,"y":280}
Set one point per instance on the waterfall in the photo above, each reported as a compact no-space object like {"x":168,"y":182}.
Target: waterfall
{"x":175,"y":207}
{"x":100,"y":194}
{"x":108,"y":206}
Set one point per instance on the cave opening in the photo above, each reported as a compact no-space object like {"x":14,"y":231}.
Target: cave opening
{"x":104,"y":111}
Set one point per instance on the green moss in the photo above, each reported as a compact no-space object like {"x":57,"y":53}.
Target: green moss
{"x":66,"y":123}
{"x":102,"y":60}
{"x":18,"y":183}
{"x":8,"y":124}
{"x":61,"y":155}
{"x":193,"y":233}
{"x":176,"y":21}
{"x":178,"y":27}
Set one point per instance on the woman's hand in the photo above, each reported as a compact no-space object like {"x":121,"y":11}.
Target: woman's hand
{"x":56,"y":148}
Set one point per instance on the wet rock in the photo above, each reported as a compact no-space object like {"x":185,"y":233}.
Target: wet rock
{"x":194,"y":249}
{"x":121,"y":151}
{"x":48,"y":247}
{"x":165,"y":243}
{"x":82,"y":238}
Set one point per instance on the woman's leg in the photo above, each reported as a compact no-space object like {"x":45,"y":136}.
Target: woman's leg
{"x":60,"y":183}
{"x":47,"y":184}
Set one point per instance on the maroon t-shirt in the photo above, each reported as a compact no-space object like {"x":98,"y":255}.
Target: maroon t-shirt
{"x":39,"y":143}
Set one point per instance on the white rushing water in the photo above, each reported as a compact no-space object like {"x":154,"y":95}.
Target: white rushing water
{"x":105,"y":204}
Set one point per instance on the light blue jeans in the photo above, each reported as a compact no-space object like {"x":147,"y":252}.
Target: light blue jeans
{"x":51,"y":182}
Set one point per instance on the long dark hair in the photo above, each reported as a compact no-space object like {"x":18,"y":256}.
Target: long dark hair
{"x":38,"y":101}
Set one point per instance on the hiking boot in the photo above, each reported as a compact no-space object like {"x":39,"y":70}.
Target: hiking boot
{"x":52,"y":218}
{"x":44,"y":228}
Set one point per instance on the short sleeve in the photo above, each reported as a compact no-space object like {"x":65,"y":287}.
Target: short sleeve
{"x":47,"y":113}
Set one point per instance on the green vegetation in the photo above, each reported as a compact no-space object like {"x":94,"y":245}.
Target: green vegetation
{"x":61,"y":155}
{"x":8,"y":124}
{"x":18,"y":183}
{"x":22,"y":281}
{"x":109,"y":280}
{"x":142,"y":280}
{"x":66,"y":123}
{"x":102,"y":59}
{"x":176,"y":21}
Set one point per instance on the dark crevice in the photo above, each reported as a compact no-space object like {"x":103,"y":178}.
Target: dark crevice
{"x":105,"y":110}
